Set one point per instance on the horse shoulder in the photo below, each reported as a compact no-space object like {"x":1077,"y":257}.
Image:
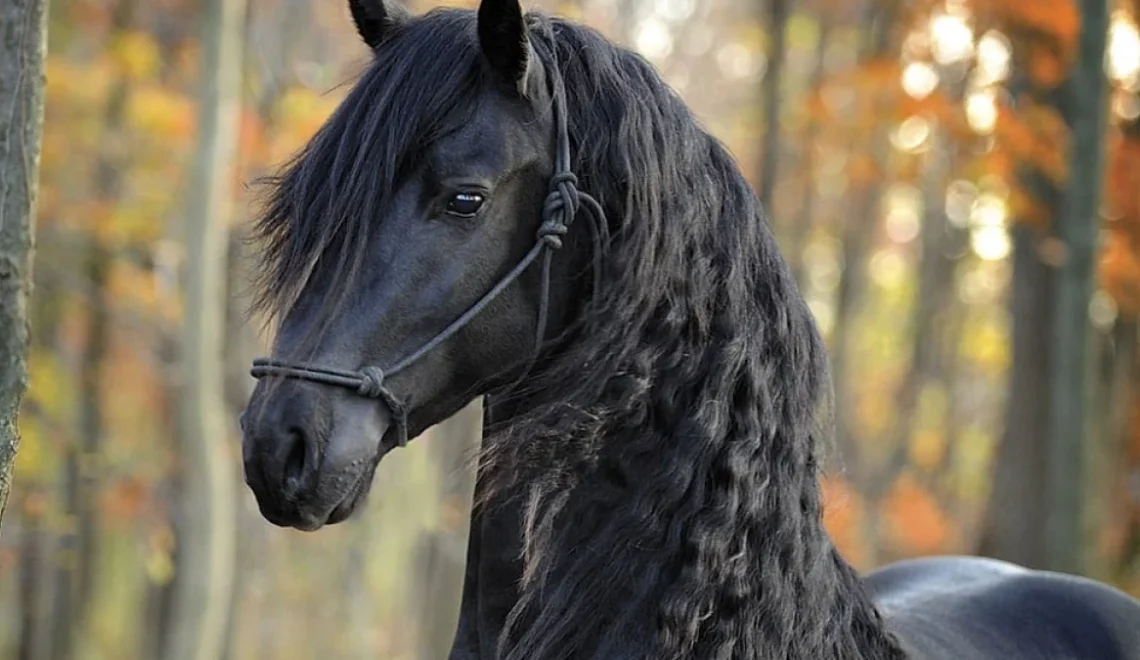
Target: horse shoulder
{"x":947,"y":607}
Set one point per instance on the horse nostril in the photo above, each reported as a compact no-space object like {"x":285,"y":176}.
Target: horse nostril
{"x":296,"y":459}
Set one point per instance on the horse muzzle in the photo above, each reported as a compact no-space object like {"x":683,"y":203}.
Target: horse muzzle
{"x":309,"y":455}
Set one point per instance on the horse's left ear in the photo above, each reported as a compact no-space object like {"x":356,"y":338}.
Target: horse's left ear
{"x":376,"y":19}
{"x":503,"y":38}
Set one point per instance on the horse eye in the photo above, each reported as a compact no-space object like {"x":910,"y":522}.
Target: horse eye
{"x":465,"y":205}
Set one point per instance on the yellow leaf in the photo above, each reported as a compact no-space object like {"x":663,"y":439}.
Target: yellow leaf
{"x":47,"y":382}
{"x":137,"y":55}
{"x":927,"y":449}
{"x":985,"y":344}
{"x":67,"y":81}
{"x":161,"y":112}
{"x":32,"y":458}
{"x":159,"y":566}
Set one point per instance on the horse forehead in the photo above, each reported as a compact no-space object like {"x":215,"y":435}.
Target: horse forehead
{"x":495,"y":138}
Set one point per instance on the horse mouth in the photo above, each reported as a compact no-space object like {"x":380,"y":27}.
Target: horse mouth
{"x":351,"y":501}
{"x":310,"y":519}
{"x":354,"y":496}
{"x":343,"y":510}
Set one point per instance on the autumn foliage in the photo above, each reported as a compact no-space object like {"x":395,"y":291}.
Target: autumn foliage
{"x":1120,"y":264}
{"x":907,"y":155}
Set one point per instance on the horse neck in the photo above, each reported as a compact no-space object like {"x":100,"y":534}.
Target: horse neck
{"x":662,"y":472}
{"x":704,"y":564}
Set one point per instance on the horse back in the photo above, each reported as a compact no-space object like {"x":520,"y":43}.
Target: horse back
{"x":972,"y":608}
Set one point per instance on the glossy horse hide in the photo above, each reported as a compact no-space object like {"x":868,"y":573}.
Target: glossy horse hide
{"x":509,"y":205}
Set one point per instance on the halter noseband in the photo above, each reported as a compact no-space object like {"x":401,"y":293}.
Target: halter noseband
{"x":561,"y":207}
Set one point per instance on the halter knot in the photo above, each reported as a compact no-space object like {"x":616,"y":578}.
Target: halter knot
{"x":551,"y":233}
{"x":371,"y":382}
{"x":561,"y":206}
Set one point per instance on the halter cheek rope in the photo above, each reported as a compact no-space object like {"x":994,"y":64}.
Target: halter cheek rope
{"x":562,"y":205}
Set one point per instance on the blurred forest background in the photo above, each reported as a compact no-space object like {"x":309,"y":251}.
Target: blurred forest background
{"x":913,"y":157}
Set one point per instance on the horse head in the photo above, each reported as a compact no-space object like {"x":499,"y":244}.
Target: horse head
{"x":409,"y":253}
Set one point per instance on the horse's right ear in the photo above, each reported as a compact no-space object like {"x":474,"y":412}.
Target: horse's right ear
{"x":503,"y":38}
{"x":376,"y":19}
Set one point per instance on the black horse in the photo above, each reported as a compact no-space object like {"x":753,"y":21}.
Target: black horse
{"x":648,"y":484}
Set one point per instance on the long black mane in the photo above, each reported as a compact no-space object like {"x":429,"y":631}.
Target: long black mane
{"x":666,"y":454}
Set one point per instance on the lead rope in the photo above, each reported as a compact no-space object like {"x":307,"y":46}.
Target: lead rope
{"x":562,"y":205}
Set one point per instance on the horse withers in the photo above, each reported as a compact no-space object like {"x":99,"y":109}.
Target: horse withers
{"x":509,"y":205}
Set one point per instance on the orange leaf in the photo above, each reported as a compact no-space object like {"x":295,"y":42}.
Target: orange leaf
{"x":1123,"y":181}
{"x":124,"y":499}
{"x":1045,"y":68}
{"x":862,"y":169}
{"x":843,"y":517}
{"x":915,"y":521}
{"x":1120,"y":272}
{"x":1058,"y":19}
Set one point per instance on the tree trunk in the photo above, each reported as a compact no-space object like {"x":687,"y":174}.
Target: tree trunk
{"x":1077,"y":230}
{"x":41,"y":539}
{"x":1107,"y":501}
{"x":801,"y":226}
{"x":84,"y":463}
{"x":1127,"y":560}
{"x":23,"y":40}
{"x":931,"y":300}
{"x":35,"y":575}
{"x":1121,"y":454}
{"x":205,"y":555}
{"x":857,"y":231}
{"x":1014,"y":524}
{"x":778,"y":28}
